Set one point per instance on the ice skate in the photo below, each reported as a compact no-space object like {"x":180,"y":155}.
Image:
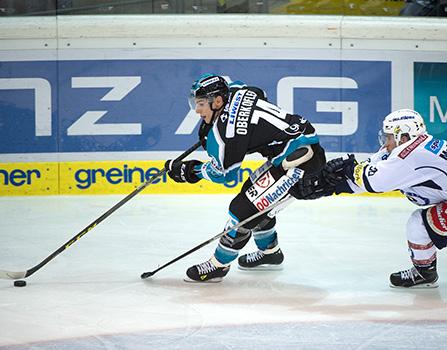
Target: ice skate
{"x":210,"y":271}
{"x":270,"y":259}
{"x":416,"y":278}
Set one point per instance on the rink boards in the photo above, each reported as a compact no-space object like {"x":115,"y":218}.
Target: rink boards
{"x":111,"y":177}
{"x":96,"y":107}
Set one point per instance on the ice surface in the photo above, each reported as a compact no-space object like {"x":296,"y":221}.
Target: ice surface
{"x":332,"y":293}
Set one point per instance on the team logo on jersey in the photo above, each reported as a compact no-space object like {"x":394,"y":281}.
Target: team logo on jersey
{"x":410,"y":148}
{"x":265,"y":181}
{"x":434,"y":146}
{"x":293,"y":129}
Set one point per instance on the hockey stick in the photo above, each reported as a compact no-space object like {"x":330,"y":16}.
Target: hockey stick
{"x":234,"y":227}
{"x":22,"y":274}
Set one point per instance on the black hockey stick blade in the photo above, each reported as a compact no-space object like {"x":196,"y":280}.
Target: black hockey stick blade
{"x":22,"y":274}
{"x":278,"y":206}
{"x":147,"y":274}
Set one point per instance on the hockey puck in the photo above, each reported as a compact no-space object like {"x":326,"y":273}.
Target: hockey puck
{"x":20,"y":283}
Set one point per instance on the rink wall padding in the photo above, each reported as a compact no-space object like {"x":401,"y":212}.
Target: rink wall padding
{"x":95,"y":104}
{"x":111,"y":177}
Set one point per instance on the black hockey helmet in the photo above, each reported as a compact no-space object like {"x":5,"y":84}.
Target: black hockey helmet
{"x":209,"y":86}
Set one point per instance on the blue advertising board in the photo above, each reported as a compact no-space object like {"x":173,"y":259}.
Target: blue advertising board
{"x":430,"y":96}
{"x":138,"y":105}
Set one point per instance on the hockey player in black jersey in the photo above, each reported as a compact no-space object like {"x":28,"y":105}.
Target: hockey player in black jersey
{"x":238,"y":121}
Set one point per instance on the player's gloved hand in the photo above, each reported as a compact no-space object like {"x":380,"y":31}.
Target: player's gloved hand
{"x":338,"y":169}
{"x":204,"y":129}
{"x":312,"y":186}
{"x":182,"y":171}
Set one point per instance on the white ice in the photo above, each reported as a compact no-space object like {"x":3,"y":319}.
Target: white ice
{"x":333,"y":292}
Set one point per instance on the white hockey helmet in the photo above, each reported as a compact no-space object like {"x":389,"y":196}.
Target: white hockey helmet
{"x":404,"y":122}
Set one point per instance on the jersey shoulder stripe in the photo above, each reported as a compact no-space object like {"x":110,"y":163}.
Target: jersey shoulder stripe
{"x":412,"y":146}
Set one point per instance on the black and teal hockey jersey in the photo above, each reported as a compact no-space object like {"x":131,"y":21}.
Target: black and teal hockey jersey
{"x":250,"y":124}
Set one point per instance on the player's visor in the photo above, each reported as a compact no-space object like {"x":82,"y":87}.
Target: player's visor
{"x":199,"y":101}
{"x":381,"y":136}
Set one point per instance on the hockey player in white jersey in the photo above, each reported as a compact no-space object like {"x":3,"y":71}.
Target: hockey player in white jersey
{"x":239,"y":121}
{"x":411,"y":161}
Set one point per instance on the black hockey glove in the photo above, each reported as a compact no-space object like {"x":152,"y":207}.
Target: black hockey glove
{"x":204,"y":129}
{"x":182,"y":171}
{"x":311,"y":186}
{"x":338,"y":170}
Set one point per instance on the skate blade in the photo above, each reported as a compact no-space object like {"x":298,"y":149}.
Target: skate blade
{"x":265,"y":267}
{"x":418,"y":286}
{"x":213,"y":280}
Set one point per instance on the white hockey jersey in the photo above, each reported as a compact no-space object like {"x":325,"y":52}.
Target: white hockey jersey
{"x":418,"y":168}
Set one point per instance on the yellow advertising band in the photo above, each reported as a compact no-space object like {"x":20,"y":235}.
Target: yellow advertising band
{"x":104,"y":177}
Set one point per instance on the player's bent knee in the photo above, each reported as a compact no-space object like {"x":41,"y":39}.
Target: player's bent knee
{"x":415,"y":227}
